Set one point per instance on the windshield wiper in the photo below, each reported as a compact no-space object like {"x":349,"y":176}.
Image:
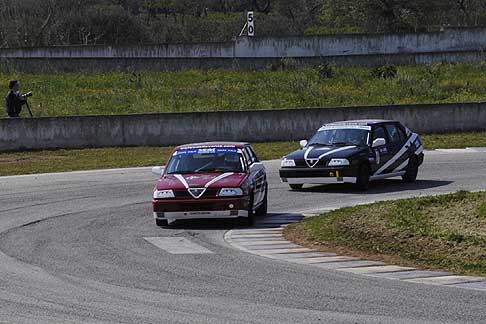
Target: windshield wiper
{"x":181,"y":172}
{"x":318,"y":144}
{"x":218,"y":170}
{"x":342,"y":143}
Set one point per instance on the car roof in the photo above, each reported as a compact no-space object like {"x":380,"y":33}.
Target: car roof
{"x":212,"y":145}
{"x":362,"y":122}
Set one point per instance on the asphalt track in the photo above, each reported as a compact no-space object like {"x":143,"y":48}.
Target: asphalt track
{"x":73,"y":251}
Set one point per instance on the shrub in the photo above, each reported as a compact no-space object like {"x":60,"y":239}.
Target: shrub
{"x":325,"y":71}
{"x":385,"y":72}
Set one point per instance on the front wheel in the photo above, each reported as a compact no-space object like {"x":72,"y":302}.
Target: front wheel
{"x":363,"y":179}
{"x":248,"y":221}
{"x":412,"y":170}
{"x":262,"y":210}
{"x":296,"y":186}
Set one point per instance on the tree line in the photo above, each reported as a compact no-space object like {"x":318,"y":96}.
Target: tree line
{"x":30,"y":23}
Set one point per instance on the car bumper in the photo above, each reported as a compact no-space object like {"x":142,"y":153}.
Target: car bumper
{"x":200,"y":214}
{"x":318,"y":176}
{"x":204,"y":208}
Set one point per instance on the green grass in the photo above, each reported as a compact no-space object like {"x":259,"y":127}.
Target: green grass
{"x":441,"y":232}
{"x":70,"y":160}
{"x":122,"y":93}
{"x":458,"y":140}
{"x":104,"y":158}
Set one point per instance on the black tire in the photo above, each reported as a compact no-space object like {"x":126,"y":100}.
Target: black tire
{"x":161,"y":222}
{"x":363,"y":179}
{"x":249,"y":221}
{"x":296,"y":186}
{"x":412,"y":170}
{"x":262,"y":210}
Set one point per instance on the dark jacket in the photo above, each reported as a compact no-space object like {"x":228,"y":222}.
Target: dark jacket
{"x":14,"y":102}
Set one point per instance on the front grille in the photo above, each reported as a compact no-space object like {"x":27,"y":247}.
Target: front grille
{"x":184,"y":194}
{"x":303,"y":164}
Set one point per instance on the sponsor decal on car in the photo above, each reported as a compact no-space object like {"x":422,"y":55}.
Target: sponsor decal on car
{"x":206,"y":150}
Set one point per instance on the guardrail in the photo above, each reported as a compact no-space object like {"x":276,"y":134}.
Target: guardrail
{"x":254,"y":126}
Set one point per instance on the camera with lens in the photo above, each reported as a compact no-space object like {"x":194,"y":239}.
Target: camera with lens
{"x":28,"y":94}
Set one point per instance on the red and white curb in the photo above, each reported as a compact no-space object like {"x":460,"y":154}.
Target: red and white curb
{"x":266,"y":240}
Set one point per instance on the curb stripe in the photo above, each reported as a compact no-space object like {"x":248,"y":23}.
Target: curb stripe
{"x":269,"y":242}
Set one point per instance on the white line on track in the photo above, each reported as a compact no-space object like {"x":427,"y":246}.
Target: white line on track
{"x":177,"y":245}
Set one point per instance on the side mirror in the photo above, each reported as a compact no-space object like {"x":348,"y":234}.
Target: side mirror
{"x":158,"y":171}
{"x":379,"y":142}
{"x":303,"y":143}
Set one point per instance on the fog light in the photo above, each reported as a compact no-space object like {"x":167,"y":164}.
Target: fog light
{"x":231,"y":206}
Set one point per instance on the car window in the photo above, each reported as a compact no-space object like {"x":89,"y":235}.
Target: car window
{"x":379,"y":133}
{"x":198,"y":160}
{"x":403,"y":135}
{"x":251,"y":157}
{"x":340,"y":136}
{"x":252,"y":151}
{"x":247,"y":157}
{"x":393,"y":133}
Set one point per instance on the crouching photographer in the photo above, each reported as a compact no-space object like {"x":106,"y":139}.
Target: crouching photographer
{"x":14,"y":100}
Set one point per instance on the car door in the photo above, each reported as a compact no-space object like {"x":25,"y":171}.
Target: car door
{"x":400,"y":152}
{"x":383,"y":153}
{"x":257,"y":175}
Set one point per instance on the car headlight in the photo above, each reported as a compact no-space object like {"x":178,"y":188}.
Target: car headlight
{"x":338,"y":162}
{"x":230,"y":192}
{"x":287,"y":163}
{"x":163,"y":194}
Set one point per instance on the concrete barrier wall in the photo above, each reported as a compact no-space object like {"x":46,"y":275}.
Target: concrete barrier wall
{"x":253,"y":126}
{"x":450,"y":40}
{"x":451,"y":45}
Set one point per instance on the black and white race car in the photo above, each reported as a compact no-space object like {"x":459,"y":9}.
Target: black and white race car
{"x":354,"y":152}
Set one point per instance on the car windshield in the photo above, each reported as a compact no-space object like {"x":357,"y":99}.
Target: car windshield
{"x":201,"y":160}
{"x":340,"y":136}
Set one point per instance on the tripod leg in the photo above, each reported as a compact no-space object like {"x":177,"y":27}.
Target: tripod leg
{"x":30,"y":111}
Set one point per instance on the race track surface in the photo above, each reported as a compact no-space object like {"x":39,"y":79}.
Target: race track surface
{"x":73,"y":249}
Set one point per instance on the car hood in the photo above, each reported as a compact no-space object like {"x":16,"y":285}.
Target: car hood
{"x":201,"y":180}
{"x":325,"y":152}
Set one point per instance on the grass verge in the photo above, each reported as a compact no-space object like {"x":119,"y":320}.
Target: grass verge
{"x":105,"y":158}
{"x":220,"y":90}
{"x":445,"y":232}
{"x":71,"y":160}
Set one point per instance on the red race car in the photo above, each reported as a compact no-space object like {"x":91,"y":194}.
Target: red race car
{"x":211,"y":180}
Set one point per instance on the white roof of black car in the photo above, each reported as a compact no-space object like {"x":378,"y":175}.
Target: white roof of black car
{"x":363,"y":122}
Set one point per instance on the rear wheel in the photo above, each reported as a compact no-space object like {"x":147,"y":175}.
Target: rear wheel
{"x":296,"y":186}
{"x":161,"y":222}
{"x":363,"y":179}
{"x":412,"y":171}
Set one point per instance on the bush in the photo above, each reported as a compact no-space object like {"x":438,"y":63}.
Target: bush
{"x":325,"y":71}
{"x":385,"y":72}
